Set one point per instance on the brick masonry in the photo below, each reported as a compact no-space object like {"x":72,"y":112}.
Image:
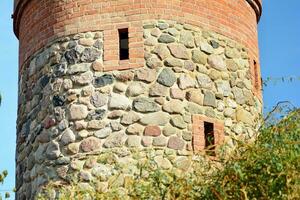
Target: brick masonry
{"x":37,"y":22}
{"x":78,"y":102}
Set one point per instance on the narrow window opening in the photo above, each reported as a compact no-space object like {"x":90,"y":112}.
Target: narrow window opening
{"x":123,"y":44}
{"x":209,"y":138}
{"x":256,"y":81}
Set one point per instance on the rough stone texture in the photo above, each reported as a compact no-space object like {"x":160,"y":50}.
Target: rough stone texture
{"x":175,"y":143}
{"x":152,"y":131}
{"x":209,"y":99}
{"x":177,"y":93}
{"x":244,"y":116}
{"x":78,"y":112}
{"x":158,"y":118}
{"x":206,"y":48}
{"x":103,"y":133}
{"x":147,"y":75}
{"x":133,"y":141}
{"x":174,"y":107}
{"x":178,"y":122}
{"x":223,"y":88}
{"x":145,"y":105}
{"x":158,"y":90}
{"x":204,"y":81}
{"x":118,"y":101}
{"x":199,"y":57}
{"x":170,"y":130}
{"x":135,"y":129}
{"x":217,"y":62}
{"x":187,"y":38}
{"x":130,"y":118}
{"x":162,"y":51}
{"x":135,"y":89}
{"x":179,"y":51}
{"x":160,"y":141}
{"x":167,"y":77}
{"x":53,"y":151}
{"x":185,"y":81}
{"x":68,"y":137}
{"x":173,"y":62}
{"x":98,"y":99}
{"x":72,"y":108}
{"x":90,"y":144}
{"x":115,"y":140}
{"x":165,"y":38}
{"x":195,"y":96}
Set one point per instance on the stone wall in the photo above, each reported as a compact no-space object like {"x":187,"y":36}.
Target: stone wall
{"x":71,"y":112}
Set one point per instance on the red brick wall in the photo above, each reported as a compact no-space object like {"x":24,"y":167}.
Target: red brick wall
{"x":111,"y":46}
{"x":37,"y":22}
{"x":199,"y":135}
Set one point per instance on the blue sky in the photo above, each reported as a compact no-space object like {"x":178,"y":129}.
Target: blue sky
{"x":279,"y":32}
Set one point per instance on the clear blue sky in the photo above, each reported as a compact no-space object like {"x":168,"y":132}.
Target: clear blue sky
{"x":279,"y":32}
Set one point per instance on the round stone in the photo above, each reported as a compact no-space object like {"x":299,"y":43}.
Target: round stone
{"x":78,"y":112}
{"x":90,"y":144}
{"x":116,"y":139}
{"x":158,"y":90}
{"x":217,"y":62}
{"x":145,"y":105}
{"x":162,"y":51}
{"x":178,"y":122}
{"x":152,"y":131}
{"x":166,"y":38}
{"x":103,"y":133}
{"x":185,"y":81}
{"x":68,"y":137}
{"x":158,"y":118}
{"x":135,"y":89}
{"x":147,"y":75}
{"x":119,"y":102}
{"x":174,"y":107}
{"x":179,"y":51}
{"x":176,"y":143}
{"x":209,"y":99}
{"x":98,"y":99}
{"x":135,"y":129}
{"x":133,"y":141}
{"x":187,"y":38}
{"x":160,"y":141}
{"x":167,"y":77}
{"x":199,"y":57}
{"x":53,"y":151}
{"x":130,"y":118}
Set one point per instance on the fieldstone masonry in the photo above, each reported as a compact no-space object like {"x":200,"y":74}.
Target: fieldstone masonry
{"x":72,"y":114}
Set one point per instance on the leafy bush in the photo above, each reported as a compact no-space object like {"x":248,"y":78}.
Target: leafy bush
{"x":3,"y":175}
{"x":267,"y":168}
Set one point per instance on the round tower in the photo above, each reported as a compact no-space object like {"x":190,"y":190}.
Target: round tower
{"x":110,"y":77}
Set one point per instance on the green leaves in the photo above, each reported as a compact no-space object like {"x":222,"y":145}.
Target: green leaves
{"x":268,"y":168}
{"x":3,"y":175}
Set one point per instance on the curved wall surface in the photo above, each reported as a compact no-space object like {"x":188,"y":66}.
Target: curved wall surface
{"x":37,"y":22}
{"x":192,"y":71}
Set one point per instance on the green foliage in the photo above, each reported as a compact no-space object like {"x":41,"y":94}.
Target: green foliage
{"x":268,"y":168}
{"x":3,"y":175}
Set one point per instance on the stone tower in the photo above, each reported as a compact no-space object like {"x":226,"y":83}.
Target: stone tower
{"x":109,"y":76}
